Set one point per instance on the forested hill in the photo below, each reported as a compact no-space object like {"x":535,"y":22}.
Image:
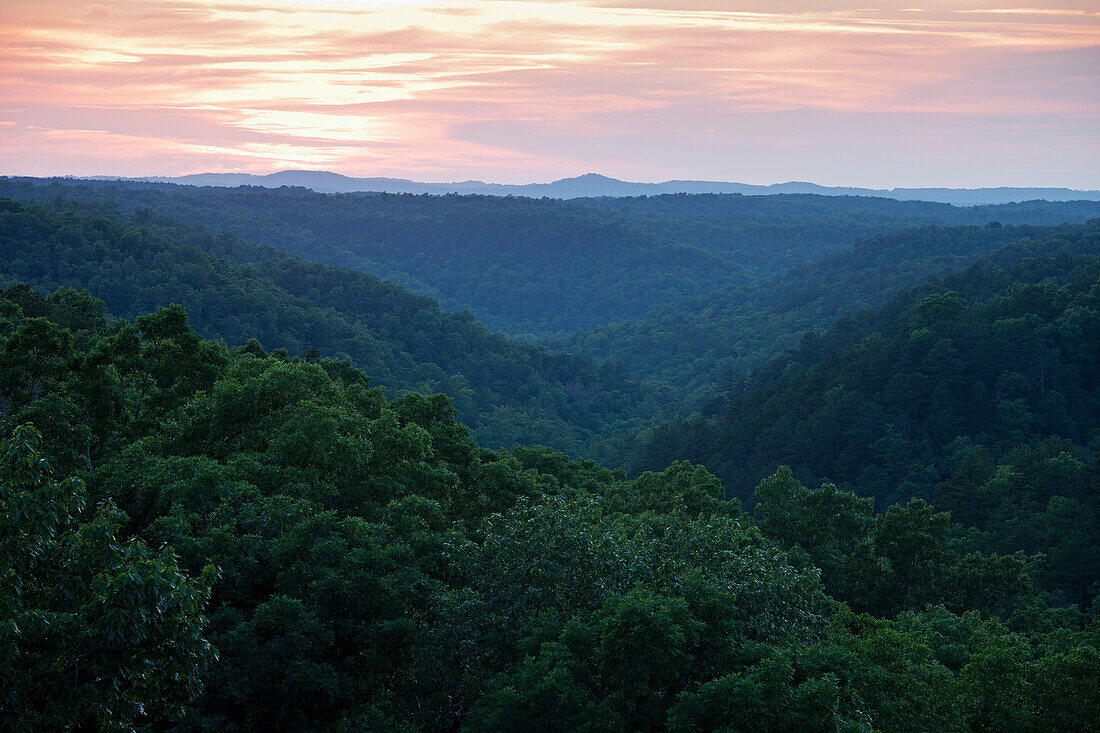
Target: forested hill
{"x":706,"y":341}
{"x":505,"y":390}
{"x":194,"y":538}
{"x":534,"y":267}
{"x":719,"y":207}
{"x":892,"y":402}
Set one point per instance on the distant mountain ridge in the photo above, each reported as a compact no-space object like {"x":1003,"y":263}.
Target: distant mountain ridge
{"x":593,"y":184}
{"x":531,"y":267}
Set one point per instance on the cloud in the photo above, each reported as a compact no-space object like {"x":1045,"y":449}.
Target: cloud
{"x":481,"y":88}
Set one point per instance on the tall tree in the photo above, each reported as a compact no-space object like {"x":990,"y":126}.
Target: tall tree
{"x":98,"y":631}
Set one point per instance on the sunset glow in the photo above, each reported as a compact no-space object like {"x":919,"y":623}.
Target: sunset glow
{"x":960,"y":94}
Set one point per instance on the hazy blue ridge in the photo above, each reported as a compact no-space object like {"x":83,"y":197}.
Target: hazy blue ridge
{"x":594,"y":184}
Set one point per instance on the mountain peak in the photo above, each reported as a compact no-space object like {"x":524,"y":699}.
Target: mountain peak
{"x":597,"y":185}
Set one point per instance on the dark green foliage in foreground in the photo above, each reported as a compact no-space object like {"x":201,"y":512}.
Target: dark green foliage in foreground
{"x":95,"y":630}
{"x":505,"y":390}
{"x":905,"y":558}
{"x":538,"y":267}
{"x":379,"y":571}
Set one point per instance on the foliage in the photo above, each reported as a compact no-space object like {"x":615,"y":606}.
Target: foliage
{"x":97,"y":630}
{"x":378,"y":569}
{"x":507,"y":391}
{"x":542,"y":266}
{"x":978,"y":392}
{"x":711,"y":340}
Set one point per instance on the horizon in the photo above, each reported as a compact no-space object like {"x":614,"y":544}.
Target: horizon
{"x":980,"y":94}
{"x":152,"y":178}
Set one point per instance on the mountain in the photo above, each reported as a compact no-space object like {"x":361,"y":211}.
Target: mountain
{"x":708,"y":340}
{"x":887,"y":401}
{"x":593,"y":184}
{"x":506,"y":391}
{"x":247,"y":534}
{"x":540,"y":267}
{"x":978,"y":391}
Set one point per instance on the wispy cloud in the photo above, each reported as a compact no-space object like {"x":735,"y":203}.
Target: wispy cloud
{"x":527,"y":90}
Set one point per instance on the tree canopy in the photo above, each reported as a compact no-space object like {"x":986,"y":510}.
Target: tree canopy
{"x":214,"y":516}
{"x":376,"y":569}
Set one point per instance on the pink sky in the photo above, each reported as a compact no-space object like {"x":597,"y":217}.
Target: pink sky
{"x":910,"y":93}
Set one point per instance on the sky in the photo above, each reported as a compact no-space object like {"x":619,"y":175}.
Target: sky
{"x":876,"y":93}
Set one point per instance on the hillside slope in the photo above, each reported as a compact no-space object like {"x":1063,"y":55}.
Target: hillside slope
{"x":701,"y":342}
{"x":505,"y":390}
{"x":201,"y":538}
{"x":888,"y":400}
{"x":536,"y":267}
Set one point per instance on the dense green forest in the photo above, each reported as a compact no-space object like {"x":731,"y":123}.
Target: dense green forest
{"x":537,"y":267}
{"x":204,"y":538}
{"x":507,"y":391}
{"x":977,"y":391}
{"x":879,"y":212}
{"x":244,"y":491}
{"x":702,"y":342}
